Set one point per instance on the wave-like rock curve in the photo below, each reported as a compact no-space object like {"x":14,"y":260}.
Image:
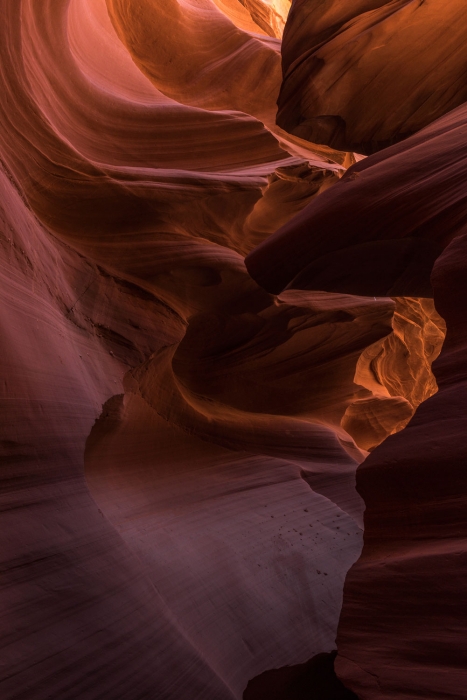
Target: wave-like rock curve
{"x":181,"y":437}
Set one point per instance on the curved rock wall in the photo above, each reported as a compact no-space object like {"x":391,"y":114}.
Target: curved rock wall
{"x":401,"y":632}
{"x":181,"y":431}
{"x":125,"y":217}
{"x":363,"y":74}
{"x":401,"y":628}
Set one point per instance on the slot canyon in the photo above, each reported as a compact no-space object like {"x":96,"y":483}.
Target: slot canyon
{"x":233,"y":237}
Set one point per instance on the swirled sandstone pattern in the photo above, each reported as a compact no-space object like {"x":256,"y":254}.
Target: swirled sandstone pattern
{"x":179,"y":442}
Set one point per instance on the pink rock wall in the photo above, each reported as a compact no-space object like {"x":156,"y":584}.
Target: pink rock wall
{"x":181,"y":430}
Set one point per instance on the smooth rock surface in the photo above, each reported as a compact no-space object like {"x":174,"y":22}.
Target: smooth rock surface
{"x":181,"y":430}
{"x":363,"y":74}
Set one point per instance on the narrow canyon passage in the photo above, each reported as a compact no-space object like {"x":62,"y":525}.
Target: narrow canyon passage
{"x":218,"y":335}
{"x":235,"y":494}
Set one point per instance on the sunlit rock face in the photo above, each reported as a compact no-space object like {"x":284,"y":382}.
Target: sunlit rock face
{"x":362,"y":74}
{"x":402,"y":630}
{"x":195,"y":53}
{"x":182,"y":430}
{"x":397,"y":371}
{"x":270,"y":15}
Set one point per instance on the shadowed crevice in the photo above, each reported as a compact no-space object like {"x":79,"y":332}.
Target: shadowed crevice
{"x":313,"y":680}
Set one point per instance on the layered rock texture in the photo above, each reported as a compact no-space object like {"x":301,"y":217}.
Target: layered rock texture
{"x":209,"y":320}
{"x":363,"y":74}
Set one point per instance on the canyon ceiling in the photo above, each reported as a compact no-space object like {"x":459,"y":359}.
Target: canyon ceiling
{"x":234,"y":349}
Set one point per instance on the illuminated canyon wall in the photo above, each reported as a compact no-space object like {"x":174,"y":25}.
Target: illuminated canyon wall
{"x":214,"y":309}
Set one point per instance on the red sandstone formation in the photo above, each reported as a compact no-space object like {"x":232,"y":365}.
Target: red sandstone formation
{"x":192,"y":68}
{"x":362,"y":74}
{"x":180,"y":431}
{"x":402,"y":629}
{"x":380,"y":230}
{"x":124,"y":218}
